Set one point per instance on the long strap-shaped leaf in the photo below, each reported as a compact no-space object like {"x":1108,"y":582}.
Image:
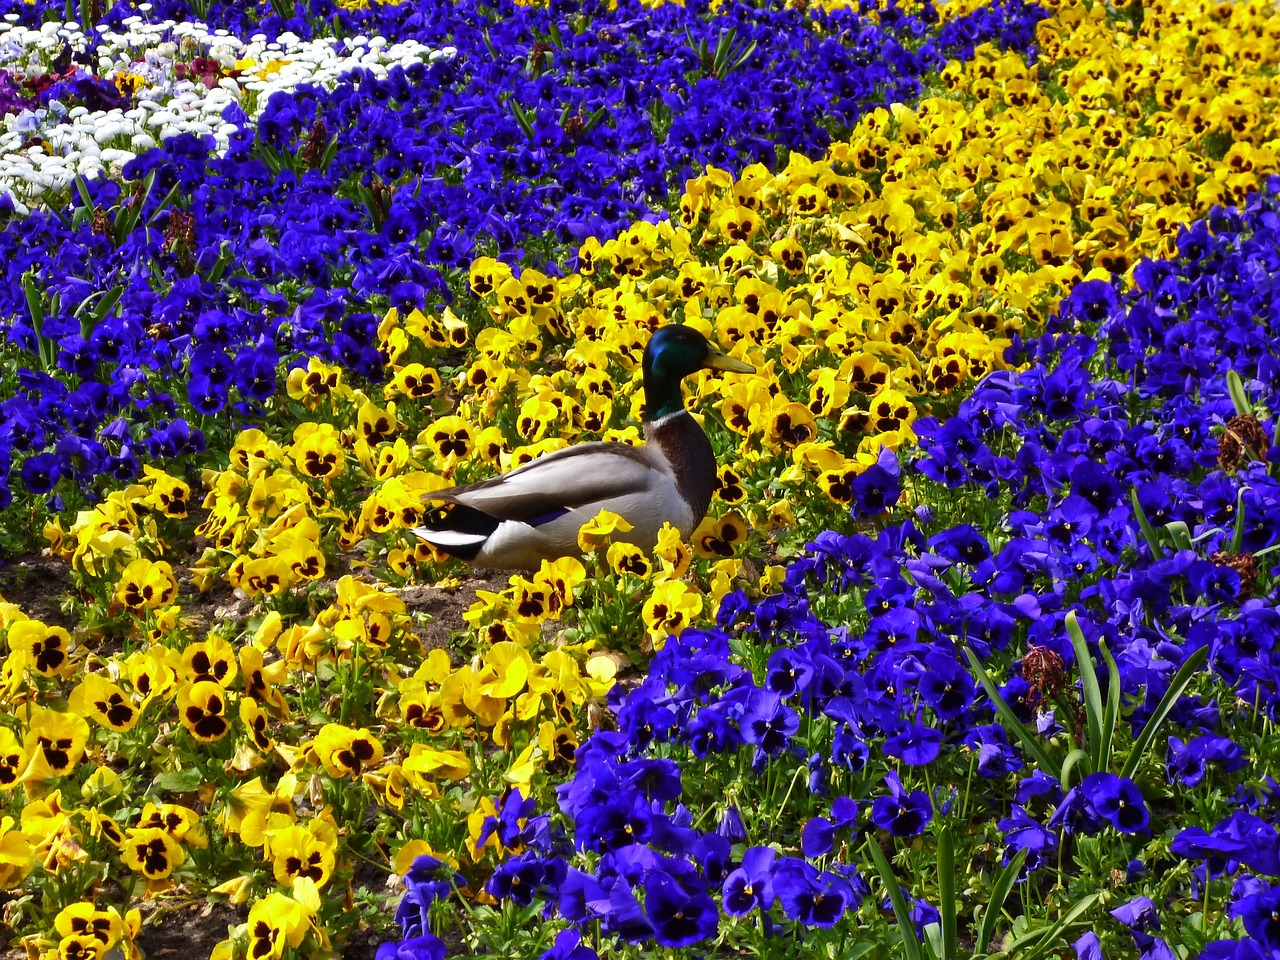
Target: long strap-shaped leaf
{"x":1029,"y":740}
{"x":1148,"y":534}
{"x":1183,"y":677}
{"x":1048,"y":935}
{"x":947,"y":892}
{"x":1005,"y":880}
{"x":900,"y":910}
{"x":1099,"y":745}
{"x":1112,"y":715}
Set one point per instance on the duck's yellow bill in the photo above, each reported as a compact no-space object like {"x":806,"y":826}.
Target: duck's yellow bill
{"x":719,"y":360}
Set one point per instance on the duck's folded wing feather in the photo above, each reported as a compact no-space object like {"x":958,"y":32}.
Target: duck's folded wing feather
{"x":556,"y":482}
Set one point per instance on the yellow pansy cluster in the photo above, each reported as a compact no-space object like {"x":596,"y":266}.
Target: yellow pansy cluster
{"x":128,"y":525}
{"x":277,"y":731}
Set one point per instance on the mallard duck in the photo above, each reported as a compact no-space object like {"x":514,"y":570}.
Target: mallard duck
{"x":534,"y":513}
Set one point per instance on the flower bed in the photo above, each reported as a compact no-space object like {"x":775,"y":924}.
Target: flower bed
{"x":244,"y":703}
{"x":153,"y":305}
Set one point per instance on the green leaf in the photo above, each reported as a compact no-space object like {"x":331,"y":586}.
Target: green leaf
{"x":933,"y":947}
{"x":744,"y":57}
{"x":1047,"y":935}
{"x":1030,"y":742}
{"x":82,"y":188}
{"x":1179,"y":534}
{"x":1237,"y":534}
{"x":225,"y":253}
{"x":269,"y":156}
{"x":593,"y":121}
{"x":1069,"y":764}
{"x":1112,"y":715}
{"x":1157,"y":551}
{"x":128,"y":214}
{"x":89,"y":319}
{"x":62,"y":217}
{"x":1180,"y":681}
{"x":1205,"y":535}
{"x":523,"y":118}
{"x":947,"y":892}
{"x":180,"y":781}
{"x":45,"y":348}
{"x":35,"y":302}
{"x":724,"y":44}
{"x":1273,"y":469}
{"x":1239,"y":399}
{"x":1097,"y":748}
{"x":330,"y":151}
{"x":906,"y":927}
{"x":168,"y":198}
{"x":1005,"y":880}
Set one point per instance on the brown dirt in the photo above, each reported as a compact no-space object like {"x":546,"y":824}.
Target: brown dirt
{"x":191,"y":931}
{"x":38,"y":586}
{"x":446,"y":605}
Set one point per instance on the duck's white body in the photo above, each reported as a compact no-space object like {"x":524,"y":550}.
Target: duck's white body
{"x":535,"y":512}
{"x":538,"y":509}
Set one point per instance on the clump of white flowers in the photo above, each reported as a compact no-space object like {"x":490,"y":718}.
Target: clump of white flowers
{"x":170,"y":77}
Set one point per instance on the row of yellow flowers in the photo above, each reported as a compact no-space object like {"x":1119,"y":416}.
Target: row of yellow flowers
{"x":868,"y":287}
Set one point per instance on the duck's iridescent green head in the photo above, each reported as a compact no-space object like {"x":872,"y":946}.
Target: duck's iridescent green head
{"x":673,"y":353}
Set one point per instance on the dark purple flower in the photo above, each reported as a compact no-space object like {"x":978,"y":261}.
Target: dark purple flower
{"x":750,"y":885}
{"x":569,"y":946}
{"x":1021,"y":832}
{"x":1088,"y":947}
{"x":878,"y":487}
{"x":1116,"y":800}
{"x":768,"y":723}
{"x":425,"y":947}
{"x":1260,"y":913}
{"x":40,"y":474}
{"x":903,"y":813}
{"x":916,"y":746}
{"x":680,"y":917}
{"x":809,"y":897}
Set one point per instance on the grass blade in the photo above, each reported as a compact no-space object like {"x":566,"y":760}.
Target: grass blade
{"x":1092,"y":693}
{"x":1239,"y":399}
{"x":947,"y":892}
{"x":1157,"y":719}
{"x":1047,"y":935}
{"x":744,"y":57}
{"x":82,"y":188}
{"x":900,"y":909}
{"x":1148,"y":534}
{"x":1005,"y":880}
{"x":1237,"y":533}
{"x":164,"y":202}
{"x":1112,"y":715}
{"x":45,"y":349}
{"x":1069,"y":764}
{"x":1029,"y":740}
{"x":1179,"y":535}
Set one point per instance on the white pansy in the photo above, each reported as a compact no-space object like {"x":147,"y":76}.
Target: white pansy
{"x":95,"y":144}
